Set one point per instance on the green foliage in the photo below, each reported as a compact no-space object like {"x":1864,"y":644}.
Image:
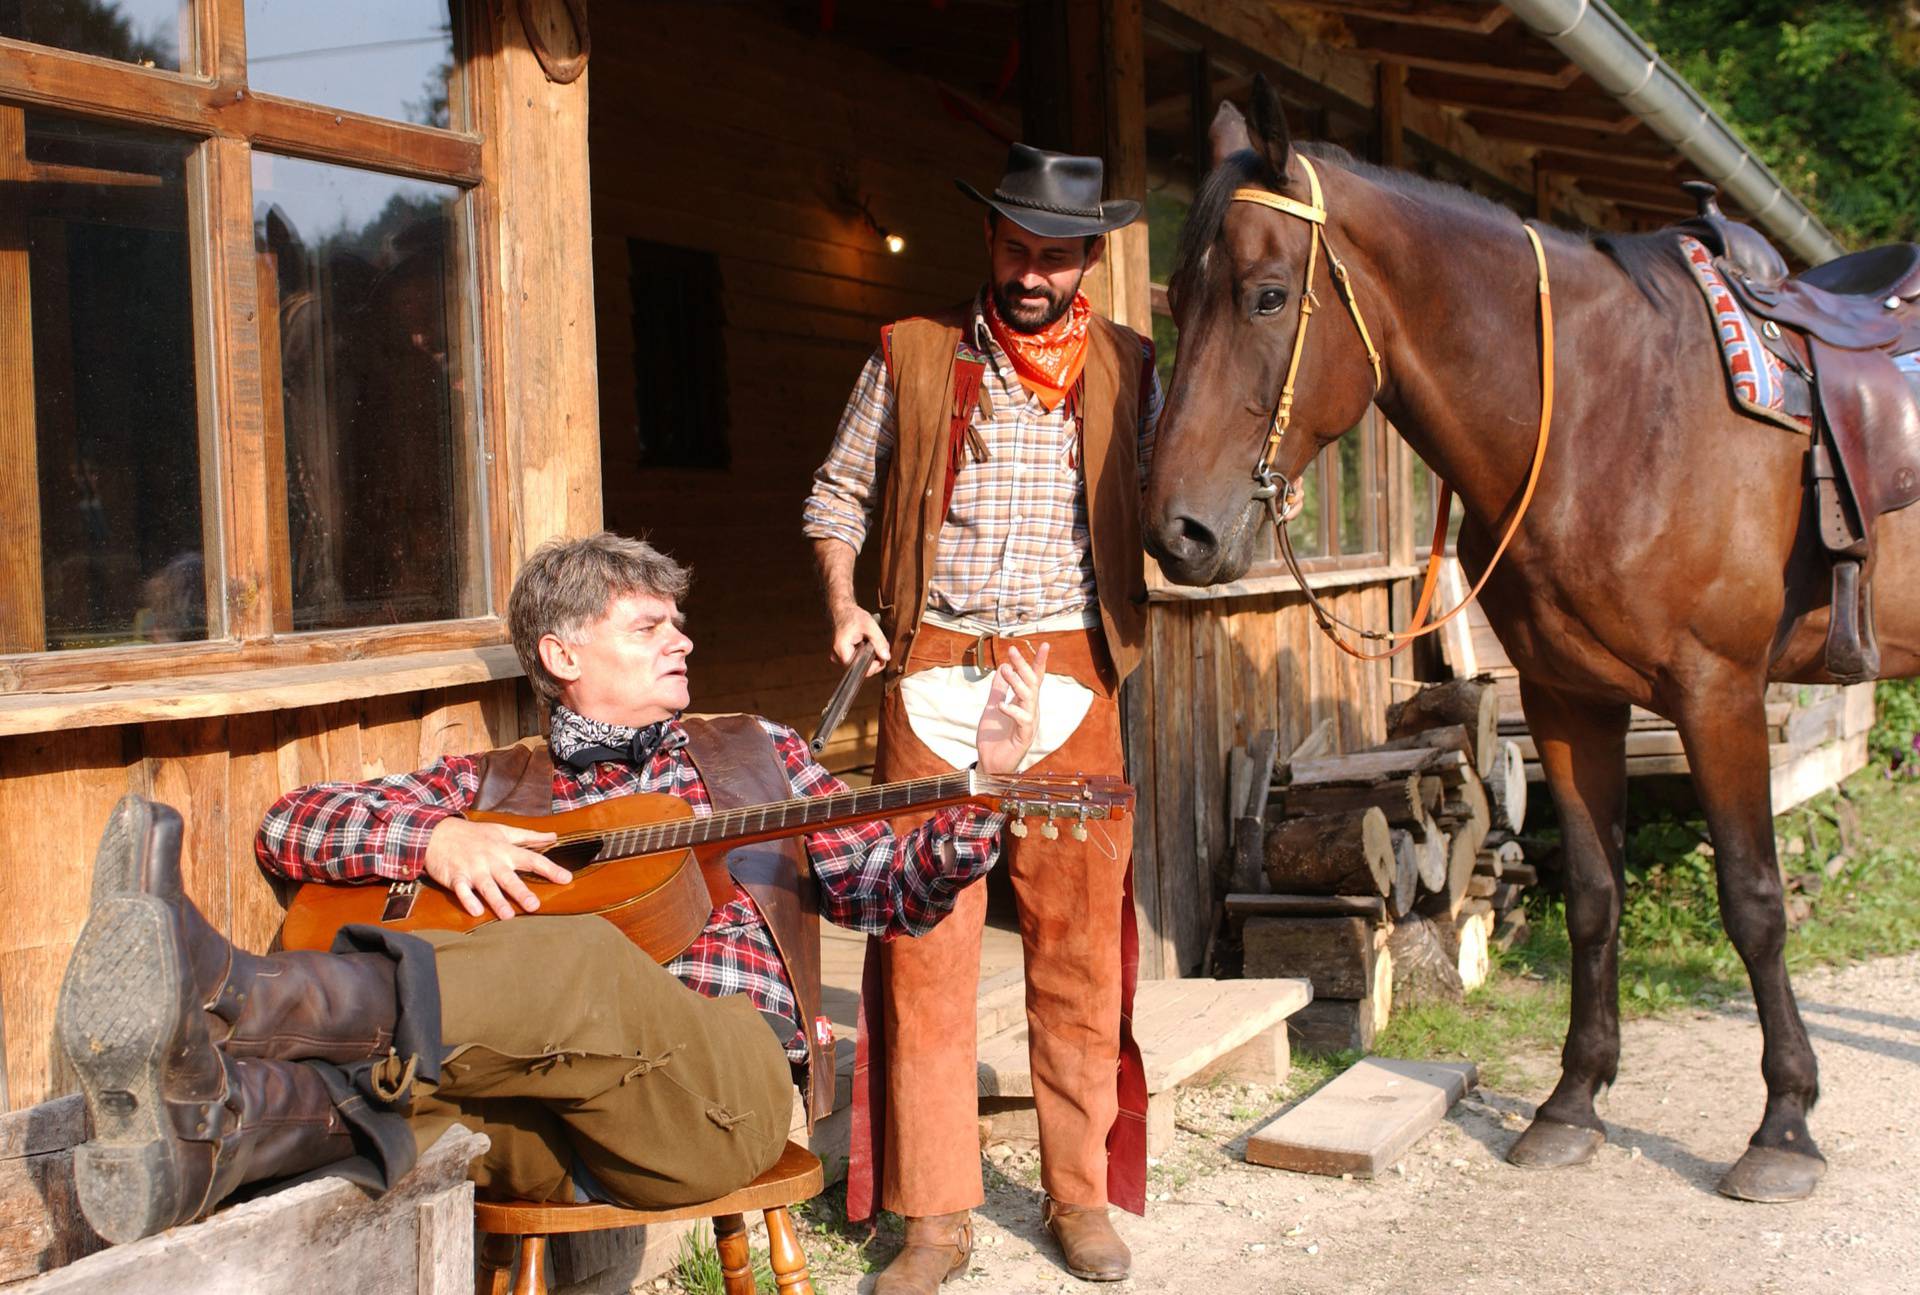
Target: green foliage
{"x":1826,"y":91}
{"x":1895,"y":739}
{"x":698,"y":1271}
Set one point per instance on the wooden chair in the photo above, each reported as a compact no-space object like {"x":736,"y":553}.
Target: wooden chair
{"x":796,"y":1177}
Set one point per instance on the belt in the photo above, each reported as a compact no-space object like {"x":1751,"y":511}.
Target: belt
{"x":1079,"y":654}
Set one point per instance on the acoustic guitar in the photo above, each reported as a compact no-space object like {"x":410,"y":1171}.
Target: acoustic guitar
{"x":648,"y":865}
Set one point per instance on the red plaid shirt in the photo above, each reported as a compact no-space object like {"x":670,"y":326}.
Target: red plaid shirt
{"x":870,"y":880}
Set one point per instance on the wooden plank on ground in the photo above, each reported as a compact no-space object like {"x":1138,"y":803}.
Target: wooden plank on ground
{"x":1366,"y":1120}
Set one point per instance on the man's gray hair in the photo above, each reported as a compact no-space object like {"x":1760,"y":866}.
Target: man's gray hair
{"x":568,"y":584}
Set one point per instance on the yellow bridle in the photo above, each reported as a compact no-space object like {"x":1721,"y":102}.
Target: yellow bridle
{"x":1268,"y":491}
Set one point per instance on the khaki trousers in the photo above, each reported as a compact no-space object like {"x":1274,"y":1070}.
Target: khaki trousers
{"x":567,"y":1041}
{"x":1070,"y":900}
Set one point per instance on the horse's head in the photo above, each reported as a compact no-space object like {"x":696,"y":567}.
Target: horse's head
{"x":1237,"y":294}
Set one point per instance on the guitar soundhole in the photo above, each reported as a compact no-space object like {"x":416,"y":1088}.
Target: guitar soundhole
{"x":575,"y":855}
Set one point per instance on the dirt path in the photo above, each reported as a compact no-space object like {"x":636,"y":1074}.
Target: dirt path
{"x":1643,"y":1217}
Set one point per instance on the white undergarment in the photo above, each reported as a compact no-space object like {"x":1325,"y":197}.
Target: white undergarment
{"x":943,"y":705}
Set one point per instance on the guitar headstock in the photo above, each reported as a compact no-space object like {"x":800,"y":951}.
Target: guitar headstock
{"x":1056,"y":798}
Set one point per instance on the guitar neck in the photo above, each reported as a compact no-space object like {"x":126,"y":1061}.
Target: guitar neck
{"x":784,"y":818}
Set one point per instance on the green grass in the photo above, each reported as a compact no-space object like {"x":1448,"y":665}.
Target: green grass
{"x":1851,"y":856}
{"x":698,"y":1271}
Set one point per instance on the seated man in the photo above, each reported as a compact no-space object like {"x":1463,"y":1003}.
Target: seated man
{"x":595,"y":1072}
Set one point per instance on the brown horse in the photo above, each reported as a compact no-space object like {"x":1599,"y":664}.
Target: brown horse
{"x":1664,"y":563}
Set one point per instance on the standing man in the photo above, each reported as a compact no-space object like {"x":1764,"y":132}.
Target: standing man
{"x":1012,"y":433}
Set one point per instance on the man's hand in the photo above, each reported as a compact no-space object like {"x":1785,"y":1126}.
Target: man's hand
{"x":852,"y":624}
{"x":482,"y":862}
{"x":1013,"y":705}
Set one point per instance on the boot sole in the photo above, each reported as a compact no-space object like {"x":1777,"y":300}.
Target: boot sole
{"x":120,"y":1014}
{"x":123,"y":865}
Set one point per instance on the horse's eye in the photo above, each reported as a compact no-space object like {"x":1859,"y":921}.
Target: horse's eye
{"x":1271,"y":301}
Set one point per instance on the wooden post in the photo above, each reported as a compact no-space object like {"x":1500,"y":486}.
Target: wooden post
{"x":1391,"y":114}
{"x":1542,"y":194}
{"x":23,"y":602}
{"x":541,"y":310}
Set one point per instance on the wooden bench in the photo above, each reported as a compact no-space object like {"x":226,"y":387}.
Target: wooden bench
{"x":794,"y":1178}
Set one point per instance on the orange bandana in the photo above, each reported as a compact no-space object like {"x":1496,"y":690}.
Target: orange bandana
{"x":1047,"y":363}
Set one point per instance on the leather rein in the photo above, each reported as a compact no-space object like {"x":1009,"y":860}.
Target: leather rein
{"x":1281,"y":503}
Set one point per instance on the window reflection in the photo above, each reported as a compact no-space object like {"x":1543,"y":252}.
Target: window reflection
{"x":361,"y":290}
{"x":100,"y":497}
{"x":387,"y":58}
{"x":152,"y":33}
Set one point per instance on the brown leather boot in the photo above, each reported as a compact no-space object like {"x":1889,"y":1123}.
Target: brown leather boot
{"x":1093,"y":1250}
{"x":287,"y":1006}
{"x":938,"y":1247}
{"x":177,"y":1125}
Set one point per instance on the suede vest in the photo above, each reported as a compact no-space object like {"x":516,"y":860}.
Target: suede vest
{"x":736,"y":760}
{"x":920,"y":357}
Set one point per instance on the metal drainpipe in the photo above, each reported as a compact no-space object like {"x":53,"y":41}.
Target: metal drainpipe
{"x":1600,"y":43}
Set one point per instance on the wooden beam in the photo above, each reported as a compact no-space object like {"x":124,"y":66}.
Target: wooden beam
{"x":1647,"y":170}
{"x":1542,"y":193}
{"x":1201,"y":32}
{"x":1444,"y":15}
{"x":1640,"y":195}
{"x":23,"y":597}
{"x":1571,"y":139}
{"x":1392,"y":115}
{"x":1509,"y":57}
{"x":1591,"y":109}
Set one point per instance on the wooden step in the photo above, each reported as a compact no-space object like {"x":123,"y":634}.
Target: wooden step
{"x":1186,"y":1029}
{"x":1366,"y":1120}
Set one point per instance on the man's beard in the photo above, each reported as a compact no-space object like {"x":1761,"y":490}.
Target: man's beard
{"x":1032,"y":311}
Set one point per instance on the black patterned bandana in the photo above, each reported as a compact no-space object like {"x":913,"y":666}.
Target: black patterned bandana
{"x":582,"y":743}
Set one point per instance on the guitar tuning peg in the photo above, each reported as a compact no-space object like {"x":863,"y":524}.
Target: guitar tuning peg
{"x":1018,"y":827}
{"x":1079,"y":830}
{"x":1050,"y":830}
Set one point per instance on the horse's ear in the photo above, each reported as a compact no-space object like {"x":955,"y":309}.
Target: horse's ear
{"x":1270,"y":127}
{"x":1228,"y":134}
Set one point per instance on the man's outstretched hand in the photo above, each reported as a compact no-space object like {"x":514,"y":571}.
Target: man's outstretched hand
{"x":1013,"y":706}
{"x":481,"y":864}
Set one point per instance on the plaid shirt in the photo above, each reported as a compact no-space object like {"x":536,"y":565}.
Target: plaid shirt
{"x":1015,"y":546}
{"x":870,"y":880}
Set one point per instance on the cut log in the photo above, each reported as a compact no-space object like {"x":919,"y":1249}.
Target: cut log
{"x":1433,"y":856}
{"x":1512,"y":930}
{"x":1332,"y":1025}
{"x":1505,"y":896}
{"x":1448,"y":737}
{"x":1481,"y":886}
{"x":1507,"y":788}
{"x":1332,"y":854}
{"x":1424,"y":971}
{"x":1337,"y":954}
{"x":1248,"y":873}
{"x":1445,"y":903}
{"x":1521,"y":874}
{"x":1397,"y":797}
{"x":1465,"y":810}
{"x":1471,"y":703}
{"x":1364,"y":768}
{"x":1406,"y":874}
{"x":1371,"y":907}
{"x":1473,"y":932}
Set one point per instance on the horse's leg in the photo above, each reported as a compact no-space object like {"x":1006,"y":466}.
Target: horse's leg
{"x":1583,"y":749}
{"x":1723,"y":724}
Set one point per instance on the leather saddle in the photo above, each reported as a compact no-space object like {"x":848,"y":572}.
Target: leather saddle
{"x":1851,"y":326}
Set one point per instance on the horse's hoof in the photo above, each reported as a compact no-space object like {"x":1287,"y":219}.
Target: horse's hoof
{"x":1772,"y":1176}
{"x":1549,"y":1144}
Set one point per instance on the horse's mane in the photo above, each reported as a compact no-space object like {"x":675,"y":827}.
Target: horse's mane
{"x":1646,"y":259}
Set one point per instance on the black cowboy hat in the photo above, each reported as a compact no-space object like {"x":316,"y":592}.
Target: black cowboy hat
{"x":1054,"y":195}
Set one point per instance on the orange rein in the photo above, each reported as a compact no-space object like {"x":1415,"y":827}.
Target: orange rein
{"x":1315,"y":214}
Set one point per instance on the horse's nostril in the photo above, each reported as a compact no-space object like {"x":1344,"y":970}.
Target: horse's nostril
{"x":1186,"y":540}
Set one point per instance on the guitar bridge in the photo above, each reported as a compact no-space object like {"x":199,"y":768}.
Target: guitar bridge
{"x":401,"y":896}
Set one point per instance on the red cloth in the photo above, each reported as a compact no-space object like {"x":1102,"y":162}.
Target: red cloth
{"x":1048,"y":362}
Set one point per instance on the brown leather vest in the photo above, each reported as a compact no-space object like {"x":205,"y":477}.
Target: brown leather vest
{"x":737,"y":762}
{"x":921,"y":352}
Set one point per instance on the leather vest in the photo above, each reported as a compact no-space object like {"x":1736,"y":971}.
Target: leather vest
{"x":737,"y":762}
{"x":920,"y":355}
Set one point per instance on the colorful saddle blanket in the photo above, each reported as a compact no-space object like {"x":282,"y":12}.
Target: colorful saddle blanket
{"x":1756,"y":378}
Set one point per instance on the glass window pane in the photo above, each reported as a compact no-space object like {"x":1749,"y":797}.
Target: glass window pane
{"x":100,"y":457}
{"x":1308,"y":530}
{"x":388,"y":58}
{"x":362,"y":285}
{"x":1356,"y":488}
{"x":152,"y":33}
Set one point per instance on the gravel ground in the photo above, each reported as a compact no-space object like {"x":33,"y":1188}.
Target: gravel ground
{"x":1454,"y":1216}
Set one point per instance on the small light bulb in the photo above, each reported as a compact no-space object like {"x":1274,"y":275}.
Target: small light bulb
{"x":896,"y":244}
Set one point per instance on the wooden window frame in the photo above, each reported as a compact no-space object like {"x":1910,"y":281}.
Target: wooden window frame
{"x":215,"y":107}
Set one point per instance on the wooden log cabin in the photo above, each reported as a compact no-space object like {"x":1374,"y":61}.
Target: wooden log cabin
{"x":315,"y":319}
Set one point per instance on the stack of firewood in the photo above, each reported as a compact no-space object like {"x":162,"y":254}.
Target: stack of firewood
{"x":1385,"y":872}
